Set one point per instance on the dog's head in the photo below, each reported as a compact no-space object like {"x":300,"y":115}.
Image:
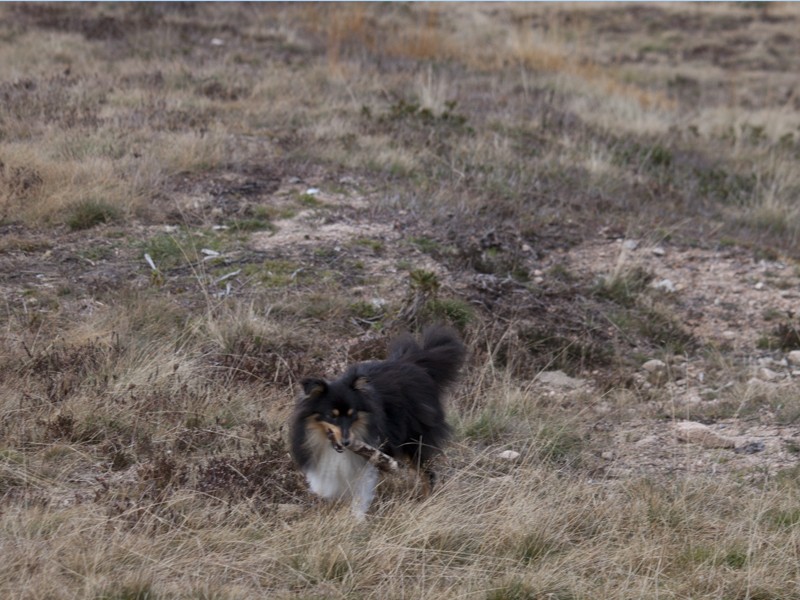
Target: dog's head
{"x":337,"y":409}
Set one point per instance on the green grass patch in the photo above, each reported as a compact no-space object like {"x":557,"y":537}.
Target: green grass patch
{"x":277,"y":272}
{"x":170,"y":250}
{"x":624,"y":288}
{"x":252,"y":224}
{"x":90,"y":213}
{"x":783,"y":518}
{"x":451,"y":310}
{"x":375,"y":245}
{"x":309,"y":200}
{"x":424,"y":281}
{"x":367,"y":311}
{"x":425,"y":244}
{"x":488,"y":426}
{"x":559,"y":444}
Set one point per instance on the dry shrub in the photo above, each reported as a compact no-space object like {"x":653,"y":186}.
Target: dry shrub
{"x":267,"y":473}
{"x":249,"y":346}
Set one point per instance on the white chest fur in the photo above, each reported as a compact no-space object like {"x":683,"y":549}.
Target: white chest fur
{"x":335,"y":475}
{"x":341,"y":476}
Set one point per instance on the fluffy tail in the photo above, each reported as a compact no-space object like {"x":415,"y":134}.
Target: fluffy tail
{"x":441,"y":354}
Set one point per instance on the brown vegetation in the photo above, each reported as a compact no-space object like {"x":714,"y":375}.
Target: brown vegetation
{"x":307,"y":180}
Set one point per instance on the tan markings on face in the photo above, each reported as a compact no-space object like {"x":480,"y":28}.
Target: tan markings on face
{"x":333,"y":430}
{"x":359,"y":428}
{"x":350,"y":412}
{"x":335,"y":412}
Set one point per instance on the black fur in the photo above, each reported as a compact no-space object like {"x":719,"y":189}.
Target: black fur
{"x":396,"y":403}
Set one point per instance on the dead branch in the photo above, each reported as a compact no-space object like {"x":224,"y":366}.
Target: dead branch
{"x":380,"y":459}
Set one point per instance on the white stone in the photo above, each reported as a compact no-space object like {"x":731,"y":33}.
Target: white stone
{"x":654,"y":366}
{"x":560,"y":379}
{"x":659,"y":251}
{"x":646,"y":441}
{"x":793,"y":357}
{"x":665,"y":285}
{"x":509,"y":455}
{"x":656,"y":371}
{"x":630,"y":244}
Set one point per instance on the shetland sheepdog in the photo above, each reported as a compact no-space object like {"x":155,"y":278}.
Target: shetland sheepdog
{"x":394,"y":405}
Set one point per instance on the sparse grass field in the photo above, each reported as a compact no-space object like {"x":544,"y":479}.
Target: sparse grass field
{"x":576,"y":188}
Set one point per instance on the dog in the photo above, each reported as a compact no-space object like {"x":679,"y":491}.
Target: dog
{"x":394,"y":405}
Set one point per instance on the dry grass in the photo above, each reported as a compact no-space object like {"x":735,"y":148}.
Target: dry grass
{"x":459,"y":152}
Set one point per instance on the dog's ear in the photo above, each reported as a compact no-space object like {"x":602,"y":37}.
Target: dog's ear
{"x":360,"y":383}
{"x":314,"y":387}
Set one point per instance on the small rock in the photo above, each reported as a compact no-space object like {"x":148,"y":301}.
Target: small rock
{"x":765,"y":374}
{"x":509,"y":455}
{"x":630,"y":244}
{"x":217,"y":42}
{"x":654,"y":365}
{"x":294,"y":180}
{"x":793,"y":357}
{"x":729,"y":335}
{"x":607,"y":455}
{"x":526,"y":248}
{"x":697,"y":433}
{"x":750,"y":448}
{"x":659,"y":251}
{"x":656,"y":371}
{"x":646,"y":441}
{"x":665,"y":285}
{"x":759,"y":285}
{"x":560,"y":379}
{"x":312,"y":191}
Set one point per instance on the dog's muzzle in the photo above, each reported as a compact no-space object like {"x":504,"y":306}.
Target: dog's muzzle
{"x":336,"y":445}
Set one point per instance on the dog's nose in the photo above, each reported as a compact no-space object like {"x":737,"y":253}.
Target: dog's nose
{"x":346,"y":441}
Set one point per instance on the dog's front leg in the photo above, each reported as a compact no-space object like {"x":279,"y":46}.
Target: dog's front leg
{"x":364,"y":492}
